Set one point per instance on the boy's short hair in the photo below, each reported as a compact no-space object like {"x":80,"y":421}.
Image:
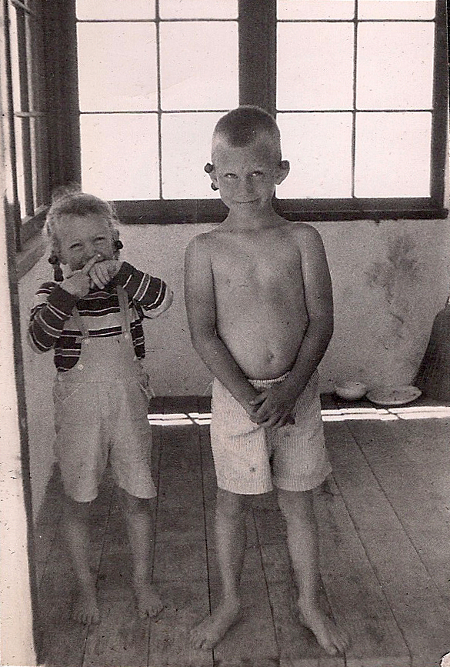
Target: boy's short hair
{"x":241,"y":126}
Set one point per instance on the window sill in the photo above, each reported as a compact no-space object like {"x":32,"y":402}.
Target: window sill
{"x":31,"y":253}
{"x":185,"y":211}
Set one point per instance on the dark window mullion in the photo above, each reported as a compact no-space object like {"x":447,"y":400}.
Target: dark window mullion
{"x":257,"y":53}
{"x":440,"y":96}
{"x":11,"y":123}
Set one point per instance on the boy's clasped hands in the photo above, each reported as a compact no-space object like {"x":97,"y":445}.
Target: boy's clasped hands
{"x":97,"y":272}
{"x":273,"y":407}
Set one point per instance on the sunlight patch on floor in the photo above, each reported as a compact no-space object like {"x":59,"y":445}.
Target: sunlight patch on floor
{"x":328,"y":415}
{"x":387,"y":414}
{"x":180,"y":419}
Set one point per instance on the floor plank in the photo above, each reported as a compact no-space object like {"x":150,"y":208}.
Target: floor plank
{"x":355,"y":595}
{"x":180,"y":570}
{"x":121,"y":637}
{"x":252,"y":641}
{"x":389,"y":452}
{"x":413,"y":597}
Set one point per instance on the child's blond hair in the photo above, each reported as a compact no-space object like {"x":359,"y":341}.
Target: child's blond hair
{"x":71,"y":201}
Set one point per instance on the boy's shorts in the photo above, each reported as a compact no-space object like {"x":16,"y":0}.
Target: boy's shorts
{"x":100,"y":421}
{"x":250,"y":459}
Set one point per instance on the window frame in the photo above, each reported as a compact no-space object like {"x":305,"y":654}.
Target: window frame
{"x":30,"y":88}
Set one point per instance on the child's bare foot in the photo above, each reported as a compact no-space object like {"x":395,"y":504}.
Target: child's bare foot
{"x":148,"y":600}
{"x":85,"y":609}
{"x":331,"y":638}
{"x":213,"y":628}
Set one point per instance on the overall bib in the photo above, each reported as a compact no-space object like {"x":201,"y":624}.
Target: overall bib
{"x":101,"y":407}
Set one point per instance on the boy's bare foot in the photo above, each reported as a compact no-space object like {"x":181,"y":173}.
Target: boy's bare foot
{"x":213,"y":628}
{"x":147,"y":598}
{"x":85,"y":609}
{"x":331,"y":638}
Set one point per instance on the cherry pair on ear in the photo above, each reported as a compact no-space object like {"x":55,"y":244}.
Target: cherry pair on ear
{"x":209,"y":168}
{"x":57,"y":271}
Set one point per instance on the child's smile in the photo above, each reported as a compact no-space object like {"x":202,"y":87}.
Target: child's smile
{"x":83,"y":237}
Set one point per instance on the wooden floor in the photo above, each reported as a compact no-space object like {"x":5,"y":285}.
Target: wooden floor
{"x":385,"y":543}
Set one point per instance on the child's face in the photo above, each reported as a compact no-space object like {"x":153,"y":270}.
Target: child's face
{"x":246,"y":176}
{"x":82,"y":237}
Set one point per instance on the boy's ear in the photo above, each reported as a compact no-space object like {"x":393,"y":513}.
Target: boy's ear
{"x":283,"y":171}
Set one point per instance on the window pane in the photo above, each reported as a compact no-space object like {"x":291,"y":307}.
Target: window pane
{"x":202,"y":72}
{"x":393,"y":155}
{"x":395,"y":66}
{"x":198,"y":9}
{"x":316,"y":9}
{"x":318,"y":147}
{"x":115,"y":9}
{"x":38,"y":162}
{"x":119,"y":155}
{"x":396,"y":9}
{"x":15,"y":69}
{"x":36,"y":79}
{"x":20,"y":162}
{"x":315,"y":66}
{"x":117,"y":66}
{"x":186,"y":148}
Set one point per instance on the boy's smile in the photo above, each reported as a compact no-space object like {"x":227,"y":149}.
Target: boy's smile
{"x":247,"y":175}
{"x":82,"y":237}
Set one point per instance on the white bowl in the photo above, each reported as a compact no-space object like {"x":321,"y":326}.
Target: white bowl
{"x":351,"y":391}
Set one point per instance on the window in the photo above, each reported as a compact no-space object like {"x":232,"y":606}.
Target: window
{"x":23,"y":94}
{"x":363,"y":109}
{"x":157,"y":89}
{"x":358,"y":88}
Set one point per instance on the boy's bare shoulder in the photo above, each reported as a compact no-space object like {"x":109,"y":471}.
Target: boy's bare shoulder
{"x":305,"y":234}
{"x":203,"y":243}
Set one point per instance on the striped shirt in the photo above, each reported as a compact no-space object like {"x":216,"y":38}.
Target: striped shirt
{"x":50,"y":326}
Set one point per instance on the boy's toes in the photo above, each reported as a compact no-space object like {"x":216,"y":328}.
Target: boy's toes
{"x":329,"y":636}
{"x":85,"y":610}
{"x":148,"y":601}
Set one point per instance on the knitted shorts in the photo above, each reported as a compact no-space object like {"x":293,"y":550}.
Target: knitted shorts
{"x":250,"y":459}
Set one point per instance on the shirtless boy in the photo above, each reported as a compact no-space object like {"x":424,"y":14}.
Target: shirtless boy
{"x":259,"y":304}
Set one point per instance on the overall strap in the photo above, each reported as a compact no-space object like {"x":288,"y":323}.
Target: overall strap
{"x":124,"y":309}
{"x":80,"y":323}
{"x":124,"y":312}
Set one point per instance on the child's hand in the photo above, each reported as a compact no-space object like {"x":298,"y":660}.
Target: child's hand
{"x":274,"y":407}
{"x":102,"y":272}
{"x":79,"y":282}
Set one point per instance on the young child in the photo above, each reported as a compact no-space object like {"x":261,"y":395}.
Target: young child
{"x":91,"y":318}
{"x":259,"y":305}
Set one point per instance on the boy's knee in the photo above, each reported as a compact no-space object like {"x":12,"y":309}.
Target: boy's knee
{"x":229,"y":503}
{"x":294,"y":503}
{"x":133,"y":504}
{"x":75,"y":508}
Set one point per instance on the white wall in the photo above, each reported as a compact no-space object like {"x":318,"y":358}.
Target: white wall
{"x":390,"y":279}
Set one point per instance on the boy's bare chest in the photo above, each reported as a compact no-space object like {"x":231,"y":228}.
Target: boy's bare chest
{"x":252,"y":264}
